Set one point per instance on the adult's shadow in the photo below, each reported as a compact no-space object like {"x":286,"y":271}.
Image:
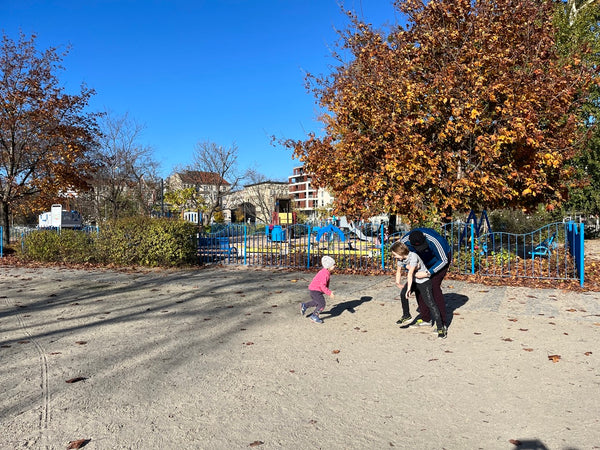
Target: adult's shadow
{"x":453,"y":302}
{"x":349,"y":306}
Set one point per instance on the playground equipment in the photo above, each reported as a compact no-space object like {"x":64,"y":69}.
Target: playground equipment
{"x":359,"y":234}
{"x":331,"y":231}
{"x":545,"y":247}
{"x":477,"y":225}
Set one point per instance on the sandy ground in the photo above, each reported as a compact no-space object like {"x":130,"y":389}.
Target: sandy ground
{"x":221,"y":359}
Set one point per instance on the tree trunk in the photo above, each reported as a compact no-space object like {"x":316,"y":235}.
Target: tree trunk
{"x":4,"y":222}
{"x":392,"y":224}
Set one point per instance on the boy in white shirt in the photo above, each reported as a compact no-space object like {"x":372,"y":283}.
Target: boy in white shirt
{"x":417,"y":280}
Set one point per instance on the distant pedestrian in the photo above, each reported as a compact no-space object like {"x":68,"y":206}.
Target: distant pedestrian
{"x":318,"y":287}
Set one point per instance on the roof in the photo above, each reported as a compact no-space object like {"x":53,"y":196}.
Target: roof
{"x":280,"y":183}
{"x":199,"y":177}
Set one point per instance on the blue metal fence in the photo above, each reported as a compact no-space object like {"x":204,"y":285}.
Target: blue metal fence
{"x":554,"y":251}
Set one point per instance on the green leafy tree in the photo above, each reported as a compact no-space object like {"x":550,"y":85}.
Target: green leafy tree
{"x":578,"y":26}
{"x":180,"y":199}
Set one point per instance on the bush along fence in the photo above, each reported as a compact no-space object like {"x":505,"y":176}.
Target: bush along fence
{"x":555,"y":251}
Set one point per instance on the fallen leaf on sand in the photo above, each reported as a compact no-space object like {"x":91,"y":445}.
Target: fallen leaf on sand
{"x":335,"y":352}
{"x":512,"y":320}
{"x":256,"y":443}
{"x":587,"y":353}
{"x":78,"y":443}
{"x":571,"y":310}
{"x":507,"y":339}
{"x":294,"y":281}
{"x":522,"y":329}
{"x":554,"y":358}
{"x":76,"y":379}
{"x":81,"y":342}
{"x":249,"y":343}
{"x":528,"y":349}
{"x":514,"y":441}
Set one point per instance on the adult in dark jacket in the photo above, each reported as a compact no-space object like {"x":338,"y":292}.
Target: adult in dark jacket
{"x":436,"y":253}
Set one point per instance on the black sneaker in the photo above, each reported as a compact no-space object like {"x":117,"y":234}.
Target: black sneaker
{"x":442,"y":333}
{"x":404,"y":319}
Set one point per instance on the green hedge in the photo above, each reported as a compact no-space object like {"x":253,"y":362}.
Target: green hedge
{"x":132,"y":241}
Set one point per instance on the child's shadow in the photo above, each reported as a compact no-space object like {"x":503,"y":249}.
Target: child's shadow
{"x":349,"y":306}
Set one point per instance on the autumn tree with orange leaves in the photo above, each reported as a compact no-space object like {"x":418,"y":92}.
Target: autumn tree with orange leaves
{"x":467,"y":106}
{"x":44,"y":134}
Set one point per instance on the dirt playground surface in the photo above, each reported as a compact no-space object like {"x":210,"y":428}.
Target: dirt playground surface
{"x":221,"y":359}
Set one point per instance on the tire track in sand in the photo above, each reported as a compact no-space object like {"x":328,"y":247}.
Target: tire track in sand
{"x":44,"y":413}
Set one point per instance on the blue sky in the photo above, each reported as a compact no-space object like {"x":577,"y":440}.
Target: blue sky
{"x":228,"y":71}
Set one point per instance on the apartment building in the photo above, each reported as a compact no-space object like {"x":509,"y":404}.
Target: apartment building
{"x":304,"y":196}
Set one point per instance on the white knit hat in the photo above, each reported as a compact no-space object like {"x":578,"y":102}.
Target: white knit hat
{"x":327,"y":262}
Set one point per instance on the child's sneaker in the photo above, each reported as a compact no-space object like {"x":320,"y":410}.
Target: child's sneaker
{"x":442,"y":333}
{"x":419,"y":323}
{"x":315,"y":318}
{"x":404,"y":319}
{"x":303,"y":308}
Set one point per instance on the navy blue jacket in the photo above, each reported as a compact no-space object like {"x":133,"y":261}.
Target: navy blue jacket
{"x":437,"y":255}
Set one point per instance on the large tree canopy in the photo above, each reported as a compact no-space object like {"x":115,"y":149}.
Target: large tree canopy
{"x":44,"y":134}
{"x":578,"y":23}
{"x":469,"y":105}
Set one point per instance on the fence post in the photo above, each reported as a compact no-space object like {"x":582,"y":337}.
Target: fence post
{"x":382,"y":246}
{"x":1,"y":242}
{"x":245,"y":243}
{"x":308,"y":249}
{"x":472,"y":248}
{"x":581,"y":255}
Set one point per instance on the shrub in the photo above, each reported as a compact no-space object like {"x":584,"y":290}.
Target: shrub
{"x":518,"y":222}
{"x":58,"y":246}
{"x":130,"y":241}
{"x":147,"y":242}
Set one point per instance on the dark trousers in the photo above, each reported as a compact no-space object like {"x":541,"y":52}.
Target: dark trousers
{"x":438,"y":297}
{"x":425,"y":292}
{"x":317,"y":300}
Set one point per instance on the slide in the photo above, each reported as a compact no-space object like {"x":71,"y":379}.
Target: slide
{"x":359,"y":233}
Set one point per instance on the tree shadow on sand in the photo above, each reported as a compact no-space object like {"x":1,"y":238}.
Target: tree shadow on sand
{"x":349,"y":306}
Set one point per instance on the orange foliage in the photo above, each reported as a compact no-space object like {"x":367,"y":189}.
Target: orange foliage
{"x":468,"y":105}
{"x":45,"y":136}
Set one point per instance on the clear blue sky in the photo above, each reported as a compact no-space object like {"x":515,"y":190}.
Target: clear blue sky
{"x":197,"y":70}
